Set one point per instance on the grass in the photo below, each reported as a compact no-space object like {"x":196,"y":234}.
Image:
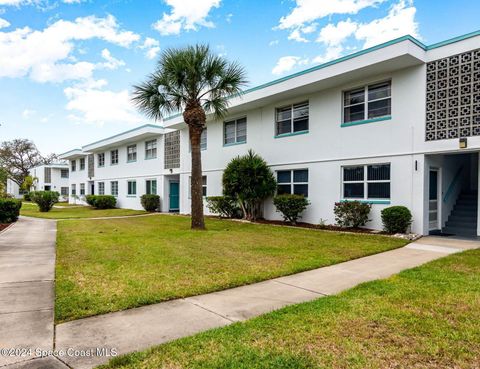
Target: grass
{"x":111,"y":265}
{"x":73,"y":212}
{"x":427,"y":317}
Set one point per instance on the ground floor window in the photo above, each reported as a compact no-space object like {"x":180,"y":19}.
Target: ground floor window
{"x":82,"y":188}
{"x":131,"y":188}
{"x":366,"y":182}
{"x":151,"y":186}
{"x":64,"y":191}
{"x":114,"y":188}
{"x":101,"y":188}
{"x":74,"y":189}
{"x":292,"y":182}
{"x":204,"y":186}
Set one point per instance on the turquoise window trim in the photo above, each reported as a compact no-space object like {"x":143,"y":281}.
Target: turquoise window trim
{"x":291,"y":134}
{"x":131,"y":161}
{"x":235,"y":144}
{"x":131,"y":196}
{"x":154,"y":157}
{"x":366,"y":121}
{"x":367,"y":201}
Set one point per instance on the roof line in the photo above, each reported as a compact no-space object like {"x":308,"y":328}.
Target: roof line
{"x":453,"y":40}
{"x":124,"y":132}
{"x":68,"y":152}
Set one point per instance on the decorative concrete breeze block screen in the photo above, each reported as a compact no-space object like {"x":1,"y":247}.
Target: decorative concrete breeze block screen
{"x":91,"y":166}
{"x":453,"y":97}
{"x":172,"y":150}
{"x":47,"y":173}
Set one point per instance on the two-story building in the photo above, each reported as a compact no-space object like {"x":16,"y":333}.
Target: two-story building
{"x":51,"y":177}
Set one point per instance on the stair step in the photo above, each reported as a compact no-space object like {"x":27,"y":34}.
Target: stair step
{"x":456,"y":224}
{"x":460,"y":231}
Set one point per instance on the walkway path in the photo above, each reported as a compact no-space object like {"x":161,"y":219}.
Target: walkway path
{"x":26,"y":299}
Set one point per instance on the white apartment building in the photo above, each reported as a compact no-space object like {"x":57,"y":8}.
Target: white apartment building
{"x":396,"y":124}
{"x":51,"y":177}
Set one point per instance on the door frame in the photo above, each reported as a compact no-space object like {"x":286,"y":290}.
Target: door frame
{"x":170,"y":182}
{"x":439,"y":199}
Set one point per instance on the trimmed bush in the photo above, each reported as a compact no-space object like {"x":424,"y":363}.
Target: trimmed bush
{"x":351,"y":213}
{"x":104,"y":202}
{"x":44,"y":199}
{"x":150,"y":202}
{"x":224,"y":206}
{"x":90,"y":199}
{"x":27,"y":197}
{"x":9,"y":210}
{"x":396,"y":219}
{"x":291,"y":206}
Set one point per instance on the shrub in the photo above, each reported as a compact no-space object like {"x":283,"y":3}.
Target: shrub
{"x":291,"y":206}
{"x":104,"y":201}
{"x":90,"y":199}
{"x":396,"y":219}
{"x":27,"y":197}
{"x":9,"y":210}
{"x":44,"y":199}
{"x":351,"y":213}
{"x":150,"y":202}
{"x":224,"y":206}
{"x":249,"y":180}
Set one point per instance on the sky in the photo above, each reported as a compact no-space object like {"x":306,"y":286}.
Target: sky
{"x":67,"y":67}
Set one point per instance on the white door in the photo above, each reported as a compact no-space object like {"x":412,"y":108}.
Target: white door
{"x":434,"y":200}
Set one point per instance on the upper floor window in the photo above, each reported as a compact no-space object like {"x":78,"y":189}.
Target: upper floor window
{"x":82,"y":163}
{"x":101,"y":159}
{"x":366,"y":181}
{"x":369,"y":102}
{"x":203,"y":140}
{"x":292,"y":182}
{"x":235,"y":131}
{"x":131,"y":153}
{"x":64,"y":173}
{"x":73,"y":165}
{"x":151,"y":149}
{"x":292,"y":118}
{"x":114,"y":157}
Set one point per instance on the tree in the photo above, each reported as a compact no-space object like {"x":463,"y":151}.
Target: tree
{"x":3,"y":182}
{"x":18,"y":156}
{"x":28,"y":183}
{"x":194,"y":81}
{"x":249,"y":180}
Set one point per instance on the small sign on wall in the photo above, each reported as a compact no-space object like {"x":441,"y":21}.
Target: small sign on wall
{"x":463,"y":143}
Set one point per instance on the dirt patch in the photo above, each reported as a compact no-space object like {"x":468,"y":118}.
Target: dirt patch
{"x":322,"y":227}
{"x":3,"y":226}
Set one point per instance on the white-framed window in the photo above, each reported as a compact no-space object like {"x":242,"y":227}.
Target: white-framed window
{"x":151,"y":186}
{"x":73,"y":165}
{"x":64,"y":173}
{"x":292,"y":182}
{"x":365,"y":182}
{"x":235,"y":131}
{"x":368,"y":102}
{"x":82,"y":163}
{"x":151,"y":149}
{"x":131,"y":153}
{"x":114,"y":157}
{"x":82,"y":188}
{"x":74,"y":189}
{"x":101,"y":188}
{"x":64,"y":191}
{"x":291,"y":118}
{"x":101,"y":159}
{"x":131,"y":188}
{"x":114,"y":188}
{"x":204,"y":186}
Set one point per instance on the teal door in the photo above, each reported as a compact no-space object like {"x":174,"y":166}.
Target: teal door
{"x":174,"y":196}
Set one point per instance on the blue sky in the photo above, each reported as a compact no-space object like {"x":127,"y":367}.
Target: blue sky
{"x":67,"y":66}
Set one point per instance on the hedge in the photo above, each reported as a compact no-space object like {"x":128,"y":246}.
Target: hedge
{"x":9,"y":210}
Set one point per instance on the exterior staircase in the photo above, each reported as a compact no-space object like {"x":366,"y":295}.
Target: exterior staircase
{"x":463,"y":218}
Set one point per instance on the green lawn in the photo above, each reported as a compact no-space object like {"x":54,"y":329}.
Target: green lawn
{"x":110,"y":265}
{"x":427,"y":317}
{"x":72,"y":212}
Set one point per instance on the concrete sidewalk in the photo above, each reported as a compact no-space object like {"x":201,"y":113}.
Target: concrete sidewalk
{"x":27,"y":272}
{"x":141,"y":328}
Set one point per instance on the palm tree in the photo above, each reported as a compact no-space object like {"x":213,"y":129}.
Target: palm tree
{"x":194,"y":81}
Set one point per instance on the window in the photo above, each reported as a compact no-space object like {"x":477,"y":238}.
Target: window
{"x":204,"y":187}
{"x":151,"y":186}
{"x":203,"y":140}
{"x":64,"y":173}
{"x":82,"y":189}
{"x":114,"y":188}
{"x":73,"y":165}
{"x":292,"y":182}
{"x":373,"y":101}
{"x":101,"y":159}
{"x":74,"y":189}
{"x":292,"y":118}
{"x":114,"y":157}
{"x":366,"y":182}
{"x":82,"y":163}
{"x":151,"y":149}
{"x":235,"y":131}
{"x":64,"y":191}
{"x":131,"y":153}
{"x":131,"y":188}
{"x":47,"y":172}
{"x":101,"y":188}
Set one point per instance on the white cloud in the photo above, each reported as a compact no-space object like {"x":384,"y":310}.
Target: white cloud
{"x":334,"y":35}
{"x":186,"y":15}
{"x":273,"y":43}
{"x":151,"y":47}
{"x":4,"y":23}
{"x":33,"y":2}
{"x":331,"y":53}
{"x":110,"y":62}
{"x":20,"y":54}
{"x":287,"y":63}
{"x":27,"y":113}
{"x":296,"y":35}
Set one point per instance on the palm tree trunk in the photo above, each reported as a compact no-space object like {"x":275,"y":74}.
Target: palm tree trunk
{"x":196,"y":182}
